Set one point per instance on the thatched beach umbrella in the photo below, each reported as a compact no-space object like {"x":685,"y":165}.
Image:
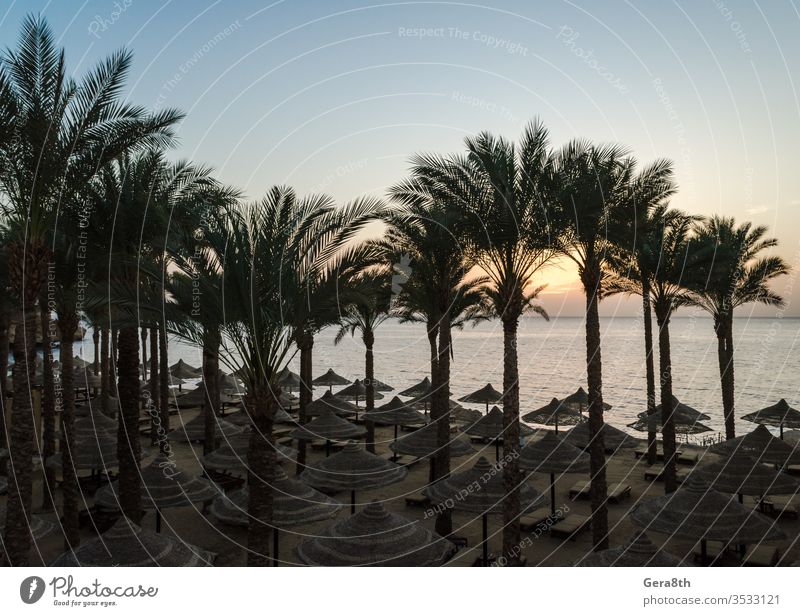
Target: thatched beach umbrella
{"x":330,"y":402}
{"x":39,"y":527}
{"x":481,"y":490}
{"x":164,"y":484}
{"x":231,"y":456}
{"x":681,"y":412}
{"x":329,"y":427}
{"x":241,"y":418}
{"x":289,"y":380}
{"x":779,"y":415}
{"x":182,"y":370}
{"x":613,"y":438}
{"x":330,"y":379}
{"x":293,"y":504}
{"x":375,"y":537}
{"x":194,"y":430}
{"x":761,"y":445}
{"x":199,"y":397}
{"x":743,"y":474}
{"x":550,"y":454}
{"x":357,"y":391}
{"x":135,"y":547}
{"x":93,"y":453}
{"x":79,"y":362}
{"x":420,"y":389}
{"x":228,"y":382}
{"x":423,"y":443}
{"x":555,"y":413}
{"x":580,"y":400}
{"x":126,"y":544}
{"x":395,"y":413}
{"x":685,"y":420}
{"x":485,"y":395}
{"x":378,"y":385}
{"x":638,"y":551}
{"x":696,"y":512}
{"x":490,"y":427}
{"x":353,"y":468}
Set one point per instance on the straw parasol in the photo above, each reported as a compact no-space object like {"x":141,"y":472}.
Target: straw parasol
{"x":490,"y":426}
{"x":228,"y":382}
{"x":779,"y":415}
{"x":353,"y":469}
{"x":685,"y":420}
{"x":485,"y":395}
{"x":91,"y":453}
{"x":580,"y":400}
{"x":375,"y":537}
{"x":743,"y":474}
{"x":638,"y":551}
{"x":681,"y":412}
{"x":39,"y":527}
{"x":231,"y":456}
{"x":357,"y":391}
{"x":125,"y":544}
{"x":420,"y":389}
{"x":467,"y":416}
{"x":164,"y":484}
{"x":199,"y":397}
{"x":330,"y":427}
{"x":241,"y":418}
{"x":3,"y":482}
{"x":194,"y":430}
{"x":423,"y":442}
{"x":182,"y":370}
{"x":395,"y":413}
{"x":329,"y":379}
{"x":329,"y":402}
{"x":293,"y":504}
{"x":288,"y":379}
{"x":613,"y":438}
{"x":481,"y":490}
{"x":79,"y":362}
{"x":555,"y":413}
{"x":550,"y":454}
{"x":696,"y":512}
{"x":761,"y":445}
{"x":378,"y":385}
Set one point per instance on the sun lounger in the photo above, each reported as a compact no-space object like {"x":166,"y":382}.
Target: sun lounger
{"x":533,"y":522}
{"x":761,"y":556}
{"x":570,"y":527}
{"x":785,"y":505}
{"x":618,"y":492}
{"x":641,"y":452}
{"x":579,"y":489}
{"x":690,"y":458}
{"x":793,"y":469}
{"x":656,"y":473}
{"x":417,"y":500}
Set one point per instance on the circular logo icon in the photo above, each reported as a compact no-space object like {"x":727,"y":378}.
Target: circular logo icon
{"x":31,"y":589}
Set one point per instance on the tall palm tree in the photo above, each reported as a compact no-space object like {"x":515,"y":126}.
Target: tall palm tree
{"x":55,"y":133}
{"x":588,"y":209}
{"x":738,"y":274}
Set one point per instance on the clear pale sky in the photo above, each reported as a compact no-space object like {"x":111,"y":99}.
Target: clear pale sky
{"x":335,"y":96}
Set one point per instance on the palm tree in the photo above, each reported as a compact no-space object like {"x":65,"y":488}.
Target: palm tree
{"x":364,"y":315}
{"x":588,"y":208}
{"x":637,"y":259}
{"x":738,"y":274}
{"x":54,"y":134}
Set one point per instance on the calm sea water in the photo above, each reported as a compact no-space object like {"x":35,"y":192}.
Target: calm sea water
{"x":552,"y":361}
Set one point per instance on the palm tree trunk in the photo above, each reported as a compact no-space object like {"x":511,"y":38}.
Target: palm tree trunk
{"x":96,"y":342}
{"x":163,"y":386}
{"x":105,"y":376}
{"x":305,"y":343}
{"x":144,"y":353}
{"x":597,"y":454}
{"x":70,"y":493}
{"x":211,"y":379}
{"x":3,"y":380}
{"x":652,"y":456}
{"x":261,"y":462}
{"x":369,"y":373}
{"x":128,"y":449}
{"x":724,"y":331}
{"x":154,"y":401}
{"x":48,"y":404}
{"x":114,"y":359}
{"x":444,"y":519}
{"x":433,"y":337}
{"x":510,"y":462}
{"x":17,"y":538}
{"x":667,"y":420}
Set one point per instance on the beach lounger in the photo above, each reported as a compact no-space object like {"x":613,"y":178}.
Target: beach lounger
{"x":570,"y":527}
{"x":761,"y":556}
{"x":688,"y":458}
{"x":534,"y":521}
{"x":656,"y":473}
{"x":793,"y":469}
{"x":417,"y":500}
{"x":579,"y":489}
{"x":618,"y":492}
{"x":785,"y":505}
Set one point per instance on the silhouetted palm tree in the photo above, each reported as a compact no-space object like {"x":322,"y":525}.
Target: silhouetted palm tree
{"x":738,"y":274}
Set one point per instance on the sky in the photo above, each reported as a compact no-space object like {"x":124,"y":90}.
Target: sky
{"x":335,"y":97}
